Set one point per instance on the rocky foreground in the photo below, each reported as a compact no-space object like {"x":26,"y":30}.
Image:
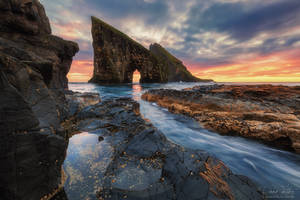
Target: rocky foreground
{"x":266,"y":113}
{"x":145,"y":165}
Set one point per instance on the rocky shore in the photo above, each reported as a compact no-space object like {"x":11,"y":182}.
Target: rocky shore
{"x":145,"y":165}
{"x":39,"y":114}
{"x":266,"y":113}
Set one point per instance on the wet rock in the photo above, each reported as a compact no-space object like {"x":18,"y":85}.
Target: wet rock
{"x":77,"y":101}
{"x":145,"y":165}
{"x":266,"y":113}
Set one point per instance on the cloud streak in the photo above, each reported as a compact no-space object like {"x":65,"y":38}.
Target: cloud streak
{"x":205,"y":34}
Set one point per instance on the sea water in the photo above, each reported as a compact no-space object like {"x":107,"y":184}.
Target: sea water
{"x":276,"y":172}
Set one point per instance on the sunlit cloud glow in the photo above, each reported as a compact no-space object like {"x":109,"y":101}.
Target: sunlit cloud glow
{"x":224,"y":40}
{"x":81,"y":71}
{"x":279,"y":67}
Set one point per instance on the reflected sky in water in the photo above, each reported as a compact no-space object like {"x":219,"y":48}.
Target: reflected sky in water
{"x":85,"y":165}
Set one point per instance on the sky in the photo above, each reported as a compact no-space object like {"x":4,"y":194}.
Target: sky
{"x":224,"y":40}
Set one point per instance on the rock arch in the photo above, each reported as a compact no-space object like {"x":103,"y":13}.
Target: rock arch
{"x":116,"y":57}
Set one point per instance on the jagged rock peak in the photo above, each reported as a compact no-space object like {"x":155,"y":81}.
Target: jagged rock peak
{"x":117,"y":56}
{"x":96,"y":21}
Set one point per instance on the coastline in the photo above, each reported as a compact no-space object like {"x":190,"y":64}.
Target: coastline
{"x":261,"y":112}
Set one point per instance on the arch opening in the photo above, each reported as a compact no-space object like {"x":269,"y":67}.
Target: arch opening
{"x":136,"y":76}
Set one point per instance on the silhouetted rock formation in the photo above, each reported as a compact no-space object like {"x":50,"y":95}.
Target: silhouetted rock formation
{"x":117,"y":56}
{"x":266,"y":113}
{"x":176,"y":70}
{"x":33,"y":69}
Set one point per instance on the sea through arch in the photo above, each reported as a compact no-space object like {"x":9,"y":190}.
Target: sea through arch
{"x":136,"y":76}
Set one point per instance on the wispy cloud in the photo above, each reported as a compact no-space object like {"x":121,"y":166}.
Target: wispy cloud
{"x":81,"y":71}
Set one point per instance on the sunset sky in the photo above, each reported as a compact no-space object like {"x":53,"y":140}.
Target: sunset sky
{"x":224,"y":40}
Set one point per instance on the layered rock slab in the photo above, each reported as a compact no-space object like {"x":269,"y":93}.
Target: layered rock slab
{"x":143,"y":164}
{"x":265,"y":113}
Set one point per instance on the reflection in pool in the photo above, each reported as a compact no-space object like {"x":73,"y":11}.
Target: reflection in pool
{"x":86,"y":162}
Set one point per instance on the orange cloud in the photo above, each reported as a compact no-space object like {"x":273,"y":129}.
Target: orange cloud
{"x":277,"y":67}
{"x":72,"y":31}
{"x":81,"y":71}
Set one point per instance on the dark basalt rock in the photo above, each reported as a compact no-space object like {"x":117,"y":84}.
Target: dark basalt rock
{"x":23,"y":16}
{"x":16,"y":114}
{"x":78,"y":101}
{"x":145,"y":165}
{"x":35,"y":62}
{"x":25,"y":34}
{"x":117,"y":56}
{"x":33,"y":69}
{"x":61,"y":195}
{"x":31,"y":158}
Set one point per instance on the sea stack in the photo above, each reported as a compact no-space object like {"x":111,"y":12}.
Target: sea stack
{"x":117,"y":56}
